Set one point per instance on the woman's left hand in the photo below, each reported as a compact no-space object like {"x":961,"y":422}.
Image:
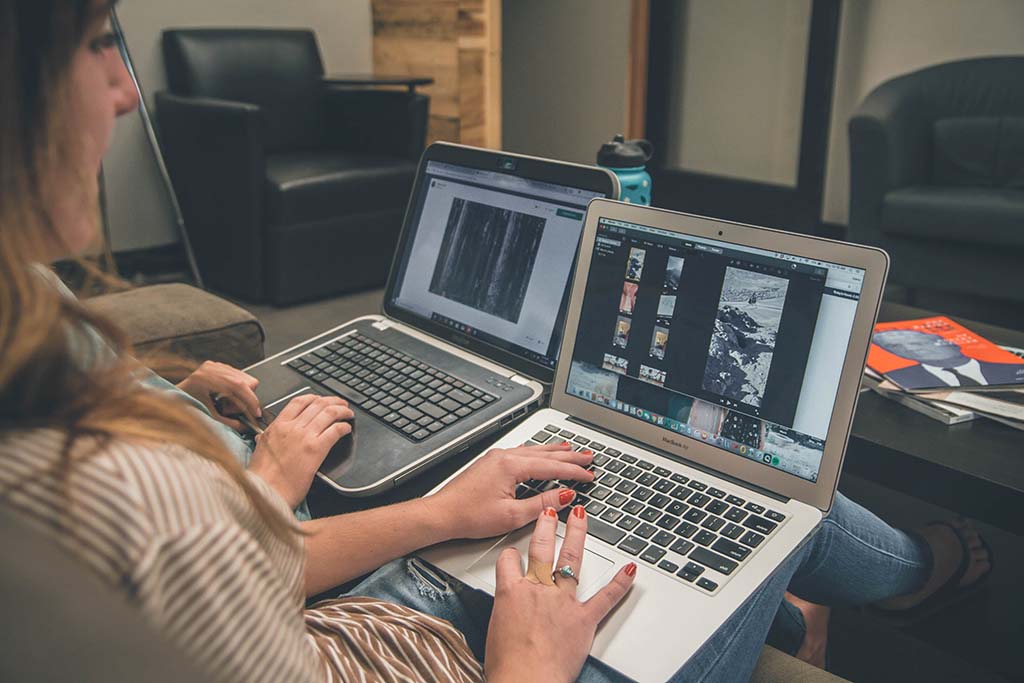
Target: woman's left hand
{"x":234,"y":390}
{"x":482,"y":501}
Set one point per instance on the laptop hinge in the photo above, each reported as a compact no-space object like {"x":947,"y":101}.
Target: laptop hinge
{"x":688,"y":463}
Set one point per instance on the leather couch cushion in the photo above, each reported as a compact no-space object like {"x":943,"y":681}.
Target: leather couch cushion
{"x":973,"y":215}
{"x":979,"y":151}
{"x":308,"y":187}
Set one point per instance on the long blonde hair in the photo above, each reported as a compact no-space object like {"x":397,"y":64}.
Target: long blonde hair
{"x":42,"y":382}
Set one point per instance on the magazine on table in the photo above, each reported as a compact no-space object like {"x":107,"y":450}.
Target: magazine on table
{"x":938,"y":354}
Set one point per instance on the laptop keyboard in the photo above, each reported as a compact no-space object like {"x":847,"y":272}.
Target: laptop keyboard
{"x":680,"y":525}
{"x":414,"y":399}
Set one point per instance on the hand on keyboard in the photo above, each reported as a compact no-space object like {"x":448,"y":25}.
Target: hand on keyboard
{"x":539,"y":631}
{"x":482,"y":502}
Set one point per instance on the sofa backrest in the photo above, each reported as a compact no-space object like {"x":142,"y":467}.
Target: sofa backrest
{"x":986,"y":151}
{"x":277,"y":69}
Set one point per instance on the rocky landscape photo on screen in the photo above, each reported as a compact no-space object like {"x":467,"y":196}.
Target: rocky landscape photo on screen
{"x":487,"y":258}
{"x":743,"y":342}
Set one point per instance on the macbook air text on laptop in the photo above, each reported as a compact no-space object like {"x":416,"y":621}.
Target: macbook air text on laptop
{"x":713,"y":368}
{"x":472,"y":320}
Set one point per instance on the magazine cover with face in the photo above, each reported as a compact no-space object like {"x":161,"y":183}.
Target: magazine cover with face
{"x":937,"y":353}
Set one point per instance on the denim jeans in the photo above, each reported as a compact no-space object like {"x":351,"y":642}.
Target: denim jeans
{"x":855,"y":558}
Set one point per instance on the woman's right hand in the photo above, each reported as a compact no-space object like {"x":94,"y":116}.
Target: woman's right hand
{"x":538,"y":629}
{"x":289,"y":452}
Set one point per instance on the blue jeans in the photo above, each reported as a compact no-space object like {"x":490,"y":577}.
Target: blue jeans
{"x":855,"y":558}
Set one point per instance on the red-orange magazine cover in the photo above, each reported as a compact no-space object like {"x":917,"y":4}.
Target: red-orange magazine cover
{"x":937,"y":353}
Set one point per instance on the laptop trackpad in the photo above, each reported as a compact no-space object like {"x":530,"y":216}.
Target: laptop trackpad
{"x":595,"y":573}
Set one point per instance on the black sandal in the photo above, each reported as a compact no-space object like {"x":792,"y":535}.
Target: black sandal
{"x":948,"y":594}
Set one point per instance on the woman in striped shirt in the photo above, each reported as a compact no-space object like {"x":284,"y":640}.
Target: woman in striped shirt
{"x":141,"y":488}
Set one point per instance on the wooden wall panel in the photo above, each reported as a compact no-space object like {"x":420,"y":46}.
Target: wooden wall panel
{"x":456,"y":42}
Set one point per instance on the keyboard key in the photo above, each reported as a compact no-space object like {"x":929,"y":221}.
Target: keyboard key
{"x":668,"y":522}
{"x":731,"y":549}
{"x":625,"y":457}
{"x":645,"y":530}
{"x":626,"y":487}
{"x":614,"y":452}
{"x":611,"y":515}
{"x":552,"y":428}
{"x":346,"y":391}
{"x":650,"y":514}
{"x":615,"y":466}
{"x":681,"y":492}
{"x":600,"y":459}
{"x":682,"y":547}
{"x":652,"y":555}
{"x":732,"y":531}
{"x":567,"y":434}
{"x":660,"y":500}
{"x":717,"y":507}
{"x":697,"y":485}
{"x":686,"y":529}
{"x":722,"y":565}
{"x":582,"y":440}
{"x":694,"y":568}
{"x":734,"y":500}
{"x":628,"y":523}
{"x":713,"y":523}
{"x":595,"y":508}
{"x":668,"y":566}
{"x":755,"y":508}
{"x":686,"y":575}
{"x":695,"y":515}
{"x":759,"y":524}
{"x":633,"y":545}
{"x":600,"y":493}
{"x":707,"y":584}
{"x":664,"y":486}
{"x":775,"y":516}
{"x":380,"y":411}
{"x":605,"y":532}
{"x":644,"y":465}
{"x":679,"y":479}
{"x":596,"y":447}
{"x":617,"y":500}
{"x":541,"y":437}
{"x":735,"y":515}
{"x":610,"y":480}
{"x":647,"y":479}
{"x":704,"y":538}
{"x":677,"y":508}
{"x":662,"y":472}
{"x":421,"y":434}
{"x":633,"y":507}
{"x":716,"y":493}
{"x":663,"y":538}
{"x":632,"y":472}
{"x":698,"y":500}
{"x":752,"y":539}
{"x":643,"y":494}
{"x":462,"y":397}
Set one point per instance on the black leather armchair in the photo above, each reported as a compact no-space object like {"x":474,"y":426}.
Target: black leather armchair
{"x":937,"y":179}
{"x":290,"y":189}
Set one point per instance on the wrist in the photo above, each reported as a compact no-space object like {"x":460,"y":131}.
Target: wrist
{"x":438,"y":518}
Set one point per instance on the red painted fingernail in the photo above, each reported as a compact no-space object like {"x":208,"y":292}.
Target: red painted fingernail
{"x":631,"y":569}
{"x":566,"y":443}
{"x":550,"y":512}
{"x":565,"y":495}
{"x":587,"y":451}
{"x":578,"y":512}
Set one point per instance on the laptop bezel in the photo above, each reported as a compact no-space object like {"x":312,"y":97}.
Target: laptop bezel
{"x":875,"y":263}
{"x":591,"y":178}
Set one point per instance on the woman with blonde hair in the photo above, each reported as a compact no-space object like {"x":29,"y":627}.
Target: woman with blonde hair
{"x":143,"y":489}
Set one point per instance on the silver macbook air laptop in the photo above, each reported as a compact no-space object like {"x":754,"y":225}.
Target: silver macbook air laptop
{"x":714,"y":369}
{"x":473,"y":314}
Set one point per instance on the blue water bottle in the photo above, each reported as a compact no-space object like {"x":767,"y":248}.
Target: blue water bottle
{"x":628,"y":160}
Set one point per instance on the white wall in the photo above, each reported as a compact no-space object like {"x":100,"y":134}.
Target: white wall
{"x":564,"y":65}
{"x":737,"y":88}
{"x":139,"y":213}
{"x":881,"y":39}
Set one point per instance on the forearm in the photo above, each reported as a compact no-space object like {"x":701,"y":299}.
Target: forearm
{"x":344,"y":547}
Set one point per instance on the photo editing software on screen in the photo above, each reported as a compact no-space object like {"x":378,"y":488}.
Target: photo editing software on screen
{"x":737,"y":347}
{"x":491,"y":257}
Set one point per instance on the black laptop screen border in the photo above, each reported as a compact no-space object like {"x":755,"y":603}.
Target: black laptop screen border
{"x":589,"y":179}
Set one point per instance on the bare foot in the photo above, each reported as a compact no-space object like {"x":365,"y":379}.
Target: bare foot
{"x":812,"y":650}
{"x":947,"y":553}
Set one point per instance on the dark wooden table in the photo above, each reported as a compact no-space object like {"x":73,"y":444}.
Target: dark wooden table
{"x":975,"y":468}
{"x":373,"y":80}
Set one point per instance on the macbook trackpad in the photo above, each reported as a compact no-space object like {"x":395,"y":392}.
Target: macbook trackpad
{"x":595,"y":573}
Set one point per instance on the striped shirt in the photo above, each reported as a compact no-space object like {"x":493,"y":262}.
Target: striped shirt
{"x":174,"y":533}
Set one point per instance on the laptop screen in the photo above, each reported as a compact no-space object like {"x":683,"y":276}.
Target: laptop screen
{"x":491,"y":255}
{"x":737,"y":347}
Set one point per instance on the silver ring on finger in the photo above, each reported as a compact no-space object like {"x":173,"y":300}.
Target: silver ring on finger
{"x":566,"y":572}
